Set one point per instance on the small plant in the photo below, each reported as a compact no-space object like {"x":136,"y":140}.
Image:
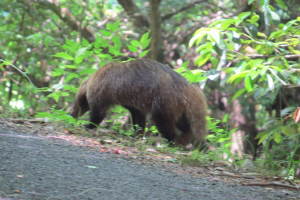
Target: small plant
{"x":220,"y":138}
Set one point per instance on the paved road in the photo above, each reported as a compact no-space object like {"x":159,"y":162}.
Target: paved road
{"x":42,"y":168}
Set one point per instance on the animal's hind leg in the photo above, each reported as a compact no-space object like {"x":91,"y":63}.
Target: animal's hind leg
{"x":138,"y":118}
{"x":97,"y":114}
{"x":165,"y":123}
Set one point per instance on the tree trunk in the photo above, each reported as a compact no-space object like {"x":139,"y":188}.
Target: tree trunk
{"x":156,"y":52}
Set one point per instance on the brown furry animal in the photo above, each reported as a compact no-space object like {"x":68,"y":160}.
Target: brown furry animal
{"x":145,"y":86}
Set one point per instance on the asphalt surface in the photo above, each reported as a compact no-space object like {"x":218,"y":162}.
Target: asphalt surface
{"x":33,"y":167}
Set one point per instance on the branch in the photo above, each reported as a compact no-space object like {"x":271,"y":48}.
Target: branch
{"x":133,"y":11}
{"x":188,"y":6}
{"x":68,"y":18}
{"x":184,"y":38}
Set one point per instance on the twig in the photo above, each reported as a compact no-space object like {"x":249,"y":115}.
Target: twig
{"x":190,"y":5}
{"x":271,"y":184}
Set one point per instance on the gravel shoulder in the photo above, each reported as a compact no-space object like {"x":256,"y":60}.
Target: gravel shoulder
{"x":35,"y":167}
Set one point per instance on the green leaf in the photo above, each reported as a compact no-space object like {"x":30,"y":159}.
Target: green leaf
{"x":65,"y":94}
{"x":143,"y":53}
{"x":135,"y":43}
{"x":262,"y":139}
{"x":144,"y":40}
{"x":226,"y":23}
{"x":57,"y":72}
{"x":48,"y":40}
{"x":251,"y":30}
{"x":214,"y":35}
{"x":244,"y":15}
{"x":78,"y":60}
{"x":85,"y":43}
{"x":80,"y":52}
{"x":270,"y":82}
{"x":109,"y":27}
{"x":262,"y":134}
{"x":117,"y":42}
{"x":115,"y":26}
{"x":67,"y":87}
{"x":290,"y":130}
{"x":146,"y":44}
{"x":97,"y":44}
{"x":239,"y":75}
{"x":185,"y":64}
{"x":199,"y":34}
{"x":36,"y":38}
{"x":275,"y":18}
{"x":64,"y":55}
{"x":277,"y":137}
{"x":239,"y":93}
{"x":280,"y":2}
{"x":225,"y":118}
{"x":71,"y":66}
{"x":87,"y":71}
{"x":55,"y":95}
{"x":144,"y":37}
{"x":204,"y":46}
{"x":132,"y":48}
{"x":43,"y":115}
{"x":202,"y":59}
{"x":289,"y":24}
{"x":71,"y":76}
{"x":58,"y":86}
{"x":106,"y":33}
{"x":236,"y":38}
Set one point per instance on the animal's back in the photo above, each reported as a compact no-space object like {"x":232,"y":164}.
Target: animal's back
{"x":137,"y":83}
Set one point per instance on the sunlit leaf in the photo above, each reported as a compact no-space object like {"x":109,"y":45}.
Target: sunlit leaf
{"x":277,"y":137}
{"x":135,"y":43}
{"x":270,"y":82}
{"x":43,"y":115}
{"x":64,"y":55}
{"x":85,"y":42}
{"x":238,"y":93}
{"x":143,"y":53}
{"x":132,"y":48}
{"x":214,"y":34}
{"x":48,"y":40}
{"x":244,"y":15}
{"x":225,"y":118}
{"x":280,"y":2}
{"x":106,"y":33}
{"x":80,"y":52}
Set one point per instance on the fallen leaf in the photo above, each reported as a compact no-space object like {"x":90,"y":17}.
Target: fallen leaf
{"x":151,"y":150}
{"x":123,"y":152}
{"x":108,"y":141}
{"x":97,"y":143}
{"x":17,"y":191}
{"x":104,"y":150}
{"x":92,"y":167}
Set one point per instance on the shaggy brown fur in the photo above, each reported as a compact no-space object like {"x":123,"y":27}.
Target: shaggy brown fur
{"x":145,"y":86}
